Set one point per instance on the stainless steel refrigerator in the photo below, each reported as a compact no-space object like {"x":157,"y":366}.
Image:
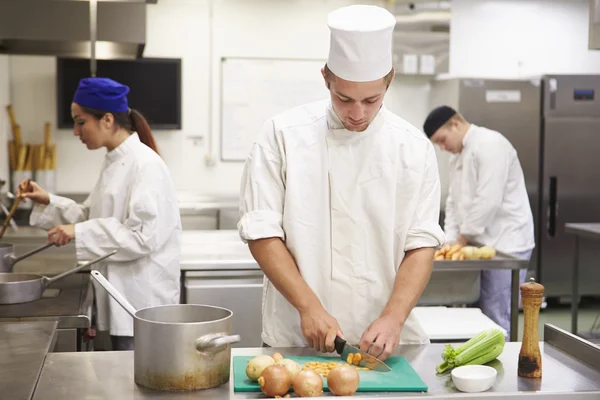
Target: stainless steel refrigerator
{"x":554,"y":124}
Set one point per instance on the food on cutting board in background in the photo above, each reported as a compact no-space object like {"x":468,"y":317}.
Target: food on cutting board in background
{"x":458,"y":252}
{"x":480,"y":349}
{"x":257,"y":365}
{"x":275,"y":380}
{"x":354,"y":359}
{"x":308,"y":383}
{"x":343,"y":380}
{"x":323,"y":368}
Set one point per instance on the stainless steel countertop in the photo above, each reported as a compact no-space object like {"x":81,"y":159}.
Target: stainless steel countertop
{"x":109,"y":375}
{"x":70,"y":307}
{"x":23,"y":347}
{"x":591,"y":230}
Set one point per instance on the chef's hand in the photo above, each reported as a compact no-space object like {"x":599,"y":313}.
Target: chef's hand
{"x":320,"y":329}
{"x":381,"y":337}
{"x":463,"y":241}
{"x":34,"y":192}
{"x":61,"y":235}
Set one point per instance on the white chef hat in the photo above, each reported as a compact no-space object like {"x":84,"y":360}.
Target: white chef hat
{"x":360,"y":47}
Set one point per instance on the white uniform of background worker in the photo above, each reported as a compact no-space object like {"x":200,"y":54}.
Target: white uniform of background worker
{"x":133,"y":208}
{"x":340,"y":204}
{"x":487,"y":200}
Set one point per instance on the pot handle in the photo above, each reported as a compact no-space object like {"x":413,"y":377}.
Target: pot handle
{"x":48,"y":281}
{"x":215,"y":341}
{"x":12,"y":259}
{"x":114,"y":293}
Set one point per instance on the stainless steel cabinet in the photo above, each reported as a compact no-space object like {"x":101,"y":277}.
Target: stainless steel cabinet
{"x":237,"y":290}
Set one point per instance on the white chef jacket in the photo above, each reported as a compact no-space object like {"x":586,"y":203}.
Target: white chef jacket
{"x":348,"y":206}
{"x":487,"y":199}
{"x":133,"y":208}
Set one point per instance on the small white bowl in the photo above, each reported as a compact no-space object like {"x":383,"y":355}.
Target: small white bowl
{"x":474,"y":378}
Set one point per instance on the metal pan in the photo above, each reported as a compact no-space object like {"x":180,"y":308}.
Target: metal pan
{"x":8,"y":258}
{"x":23,"y":288}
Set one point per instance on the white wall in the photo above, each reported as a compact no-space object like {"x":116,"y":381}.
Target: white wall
{"x":181,"y":28}
{"x":520,"y":38}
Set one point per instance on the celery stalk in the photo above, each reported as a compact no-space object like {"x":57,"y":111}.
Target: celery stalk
{"x":481,"y":349}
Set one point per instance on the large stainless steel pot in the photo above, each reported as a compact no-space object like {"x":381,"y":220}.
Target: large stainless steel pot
{"x":180,"y":346}
{"x":8,"y":258}
{"x":23,"y":288}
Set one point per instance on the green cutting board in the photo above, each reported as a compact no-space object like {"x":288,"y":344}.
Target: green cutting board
{"x":402,"y":377}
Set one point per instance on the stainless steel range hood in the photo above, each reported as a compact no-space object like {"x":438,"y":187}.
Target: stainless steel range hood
{"x":62,"y":28}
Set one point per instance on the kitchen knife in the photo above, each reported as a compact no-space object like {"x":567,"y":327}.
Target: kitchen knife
{"x":367,"y":361}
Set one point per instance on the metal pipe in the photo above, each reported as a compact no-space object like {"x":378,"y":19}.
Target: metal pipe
{"x":575,"y":287}
{"x":93,"y":29}
{"x":514,"y":306}
{"x":209,"y":156}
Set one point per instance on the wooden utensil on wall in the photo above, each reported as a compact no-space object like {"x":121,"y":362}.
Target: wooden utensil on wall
{"x":11,"y":116}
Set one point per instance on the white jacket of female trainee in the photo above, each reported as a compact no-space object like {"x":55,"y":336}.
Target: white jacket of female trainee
{"x":348,"y":206}
{"x":133,"y":208}
{"x":487,"y":199}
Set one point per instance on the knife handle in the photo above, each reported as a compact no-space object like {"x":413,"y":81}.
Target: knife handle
{"x":339,"y":344}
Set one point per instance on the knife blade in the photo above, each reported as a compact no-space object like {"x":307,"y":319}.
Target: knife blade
{"x":367,"y":360}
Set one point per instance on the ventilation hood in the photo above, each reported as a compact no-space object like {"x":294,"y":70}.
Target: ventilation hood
{"x":62,"y":28}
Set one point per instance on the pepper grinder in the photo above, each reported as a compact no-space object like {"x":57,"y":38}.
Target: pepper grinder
{"x":530,"y":358}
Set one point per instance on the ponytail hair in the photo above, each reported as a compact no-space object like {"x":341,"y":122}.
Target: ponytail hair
{"x":140,"y":125}
{"x":131,"y":120}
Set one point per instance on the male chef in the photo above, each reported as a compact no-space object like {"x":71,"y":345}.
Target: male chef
{"x":487,"y":200}
{"x":340,"y":204}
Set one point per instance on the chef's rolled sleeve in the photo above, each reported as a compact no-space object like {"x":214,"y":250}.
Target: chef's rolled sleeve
{"x":261,"y":224}
{"x":262,"y":190}
{"x":425,"y":230}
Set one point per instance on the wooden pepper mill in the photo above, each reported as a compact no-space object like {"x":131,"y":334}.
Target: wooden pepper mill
{"x":530,"y":358}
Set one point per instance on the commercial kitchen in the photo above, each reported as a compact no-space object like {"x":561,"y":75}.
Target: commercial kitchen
{"x":207,"y":74}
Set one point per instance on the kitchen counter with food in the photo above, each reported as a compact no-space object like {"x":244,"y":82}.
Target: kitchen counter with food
{"x":23,"y":346}
{"x":568,"y":371}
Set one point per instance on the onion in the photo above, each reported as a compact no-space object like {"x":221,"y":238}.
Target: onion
{"x":257,"y":365}
{"x":308,"y":383}
{"x":275,"y":381}
{"x":277,"y":357}
{"x":291,"y":365}
{"x":343,"y":380}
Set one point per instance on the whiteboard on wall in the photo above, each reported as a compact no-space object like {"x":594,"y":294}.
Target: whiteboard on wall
{"x":254,"y":90}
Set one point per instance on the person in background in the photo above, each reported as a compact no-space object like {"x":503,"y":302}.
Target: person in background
{"x":340,"y":203}
{"x":132,"y":208}
{"x":487,"y":201}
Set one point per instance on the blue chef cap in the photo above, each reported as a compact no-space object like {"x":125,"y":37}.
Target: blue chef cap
{"x":102,"y":94}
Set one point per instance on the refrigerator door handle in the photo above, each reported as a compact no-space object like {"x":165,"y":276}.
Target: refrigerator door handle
{"x":552,"y":206}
